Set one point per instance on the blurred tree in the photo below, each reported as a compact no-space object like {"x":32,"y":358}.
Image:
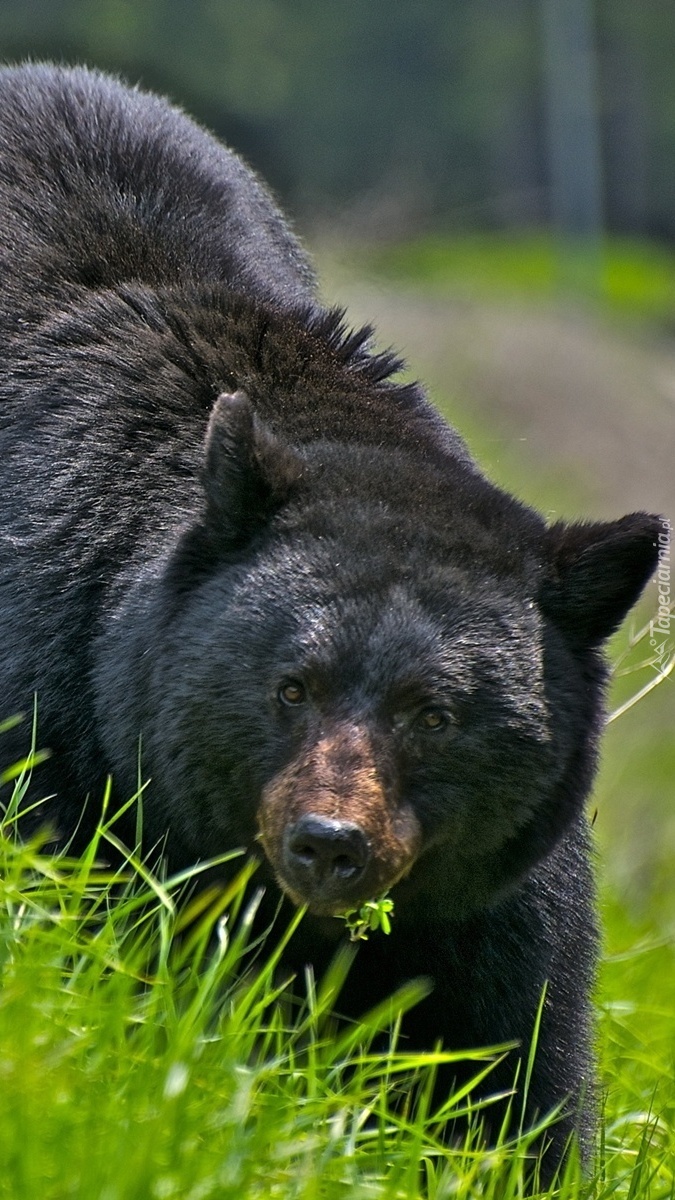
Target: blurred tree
{"x":624,"y":118}
{"x":573,"y":136}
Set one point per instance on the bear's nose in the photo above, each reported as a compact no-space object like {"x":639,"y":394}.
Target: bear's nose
{"x":326,"y":855}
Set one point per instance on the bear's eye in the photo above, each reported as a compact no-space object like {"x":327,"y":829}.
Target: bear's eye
{"x":433,"y":719}
{"x":291,"y":692}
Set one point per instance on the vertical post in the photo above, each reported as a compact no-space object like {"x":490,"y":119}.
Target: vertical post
{"x":573,"y":136}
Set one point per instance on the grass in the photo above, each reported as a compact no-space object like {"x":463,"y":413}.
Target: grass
{"x":626,"y":277}
{"x":149,"y":1049}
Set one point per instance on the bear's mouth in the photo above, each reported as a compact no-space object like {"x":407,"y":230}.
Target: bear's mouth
{"x":328,"y":898}
{"x":329,"y":866}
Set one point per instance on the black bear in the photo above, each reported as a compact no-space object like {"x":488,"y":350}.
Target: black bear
{"x":230,"y":536}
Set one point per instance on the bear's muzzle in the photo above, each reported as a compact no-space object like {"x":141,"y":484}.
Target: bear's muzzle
{"x":331,"y":834}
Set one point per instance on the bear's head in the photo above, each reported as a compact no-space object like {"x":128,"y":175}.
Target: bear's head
{"x":379,"y":672}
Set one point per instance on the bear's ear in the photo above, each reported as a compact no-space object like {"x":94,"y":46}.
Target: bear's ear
{"x":595,"y":573}
{"x":248,"y":473}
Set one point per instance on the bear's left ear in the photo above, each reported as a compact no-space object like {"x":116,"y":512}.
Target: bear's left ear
{"x":594,"y":573}
{"x":248,"y":472}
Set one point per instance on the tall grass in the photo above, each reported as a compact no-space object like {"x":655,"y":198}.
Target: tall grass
{"x":151,"y":1048}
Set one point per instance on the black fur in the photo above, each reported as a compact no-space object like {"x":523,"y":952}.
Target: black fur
{"x":167,"y":558}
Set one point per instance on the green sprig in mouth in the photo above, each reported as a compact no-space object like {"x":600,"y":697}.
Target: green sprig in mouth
{"x":373,"y":915}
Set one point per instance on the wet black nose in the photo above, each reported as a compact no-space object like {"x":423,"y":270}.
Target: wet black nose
{"x":325,"y":854}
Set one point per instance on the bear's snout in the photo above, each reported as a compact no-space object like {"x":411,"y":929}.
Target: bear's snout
{"x":325,"y":859}
{"x":332,"y":834}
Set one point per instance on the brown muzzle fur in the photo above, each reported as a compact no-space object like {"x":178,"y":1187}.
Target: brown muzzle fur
{"x":335,"y":780}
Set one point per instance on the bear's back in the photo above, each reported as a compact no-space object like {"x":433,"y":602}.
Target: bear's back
{"x":101,"y":185}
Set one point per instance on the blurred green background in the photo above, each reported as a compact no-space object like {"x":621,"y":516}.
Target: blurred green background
{"x":492,"y":182}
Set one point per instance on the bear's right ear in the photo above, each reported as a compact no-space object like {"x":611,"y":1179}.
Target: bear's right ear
{"x":248,"y":473}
